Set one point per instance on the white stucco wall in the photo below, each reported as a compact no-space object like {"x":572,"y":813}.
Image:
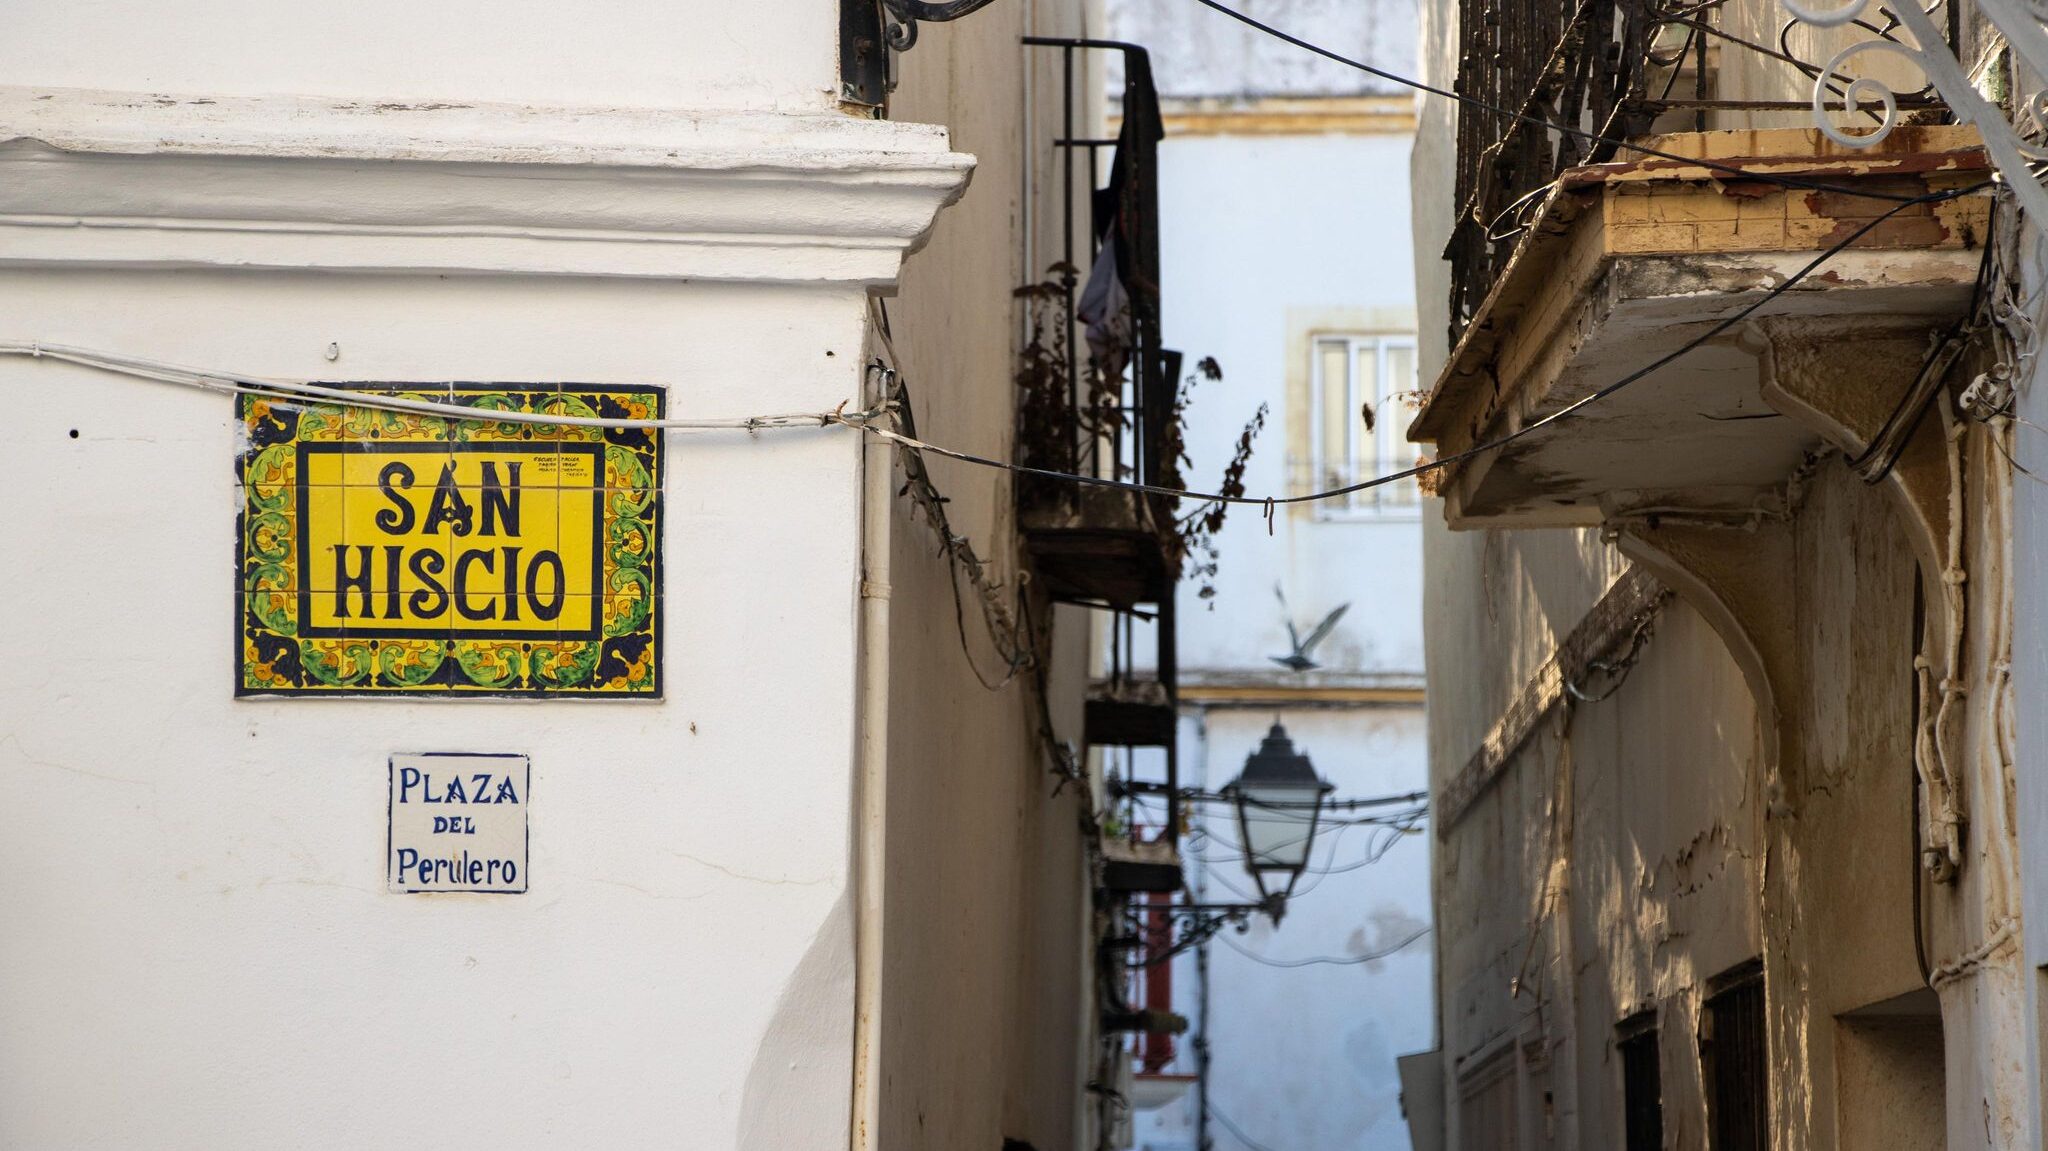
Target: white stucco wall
{"x":698,"y":55}
{"x":223,"y":967}
{"x":205,"y":955}
{"x":1245,"y":280}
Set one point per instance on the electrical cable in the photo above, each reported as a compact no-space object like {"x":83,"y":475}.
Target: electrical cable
{"x":1323,"y":805}
{"x":1416,"y":804}
{"x":1876,"y":460}
{"x":1375,"y":801}
{"x":301,"y":390}
{"x":1385,"y":837}
{"x":1550,"y":125}
{"x":1334,"y":960}
{"x":1233,"y":888}
{"x":1011,"y":639}
{"x":1196,"y":795}
{"x":2014,"y":463}
{"x":866,"y":421}
{"x":1376,"y":850}
{"x":1400,"y":824}
{"x":1566,"y":412}
{"x":1234,"y":1129}
{"x":1380,"y":841}
{"x":1302,"y":890}
{"x":1616,"y":670}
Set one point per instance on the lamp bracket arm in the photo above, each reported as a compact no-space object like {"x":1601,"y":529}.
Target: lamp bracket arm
{"x":903,"y":31}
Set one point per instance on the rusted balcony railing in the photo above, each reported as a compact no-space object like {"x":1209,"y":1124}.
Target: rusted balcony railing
{"x":1097,"y":397}
{"x":1104,"y":402}
{"x":1613,"y":69}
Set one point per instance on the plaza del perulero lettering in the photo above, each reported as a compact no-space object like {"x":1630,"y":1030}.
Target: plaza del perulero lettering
{"x":457,"y":866}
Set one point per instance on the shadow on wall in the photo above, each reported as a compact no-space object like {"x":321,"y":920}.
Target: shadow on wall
{"x":802,"y":1057}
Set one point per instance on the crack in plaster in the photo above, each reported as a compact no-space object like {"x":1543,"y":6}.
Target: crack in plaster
{"x":55,"y":765}
{"x":721,"y":868}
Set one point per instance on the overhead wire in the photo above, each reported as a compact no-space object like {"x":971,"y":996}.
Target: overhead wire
{"x":1331,"y":960}
{"x":1616,"y":669}
{"x":1384,"y":840}
{"x":1386,"y":833}
{"x":869,"y":421}
{"x":1196,"y":795}
{"x":1564,"y":413}
{"x":1541,"y":122}
{"x":1381,"y":841}
{"x":301,"y":390}
{"x":1876,"y":460}
{"x":1011,"y":637}
{"x":1234,"y":1129}
{"x":1397,"y":821}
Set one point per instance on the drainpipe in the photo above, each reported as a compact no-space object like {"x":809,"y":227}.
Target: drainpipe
{"x":870,"y":837}
{"x":1201,"y":889}
{"x":1202,"y":1047}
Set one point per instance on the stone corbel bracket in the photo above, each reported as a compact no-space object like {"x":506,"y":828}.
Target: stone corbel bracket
{"x":1743,"y":583}
{"x":130,"y":180}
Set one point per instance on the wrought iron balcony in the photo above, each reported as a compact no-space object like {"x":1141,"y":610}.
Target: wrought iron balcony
{"x":1098,"y":396}
{"x":1096,"y":388}
{"x":1618,"y":69}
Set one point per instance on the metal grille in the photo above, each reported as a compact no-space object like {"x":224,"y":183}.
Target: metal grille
{"x":1565,"y":62}
{"x":1642,"y":1090}
{"x":1119,"y":220}
{"x":1144,"y":405}
{"x":1735,"y":1057}
{"x":1607,"y":67}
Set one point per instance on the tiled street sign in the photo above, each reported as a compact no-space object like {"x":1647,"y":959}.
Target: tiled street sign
{"x":383,"y":552}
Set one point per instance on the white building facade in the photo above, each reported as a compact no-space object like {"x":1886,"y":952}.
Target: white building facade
{"x":1284,"y":237}
{"x":1734,"y":680}
{"x":761,"y":898}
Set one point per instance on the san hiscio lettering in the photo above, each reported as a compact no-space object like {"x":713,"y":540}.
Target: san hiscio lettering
{"x":492,"y":541}
{"x":540,"y":592}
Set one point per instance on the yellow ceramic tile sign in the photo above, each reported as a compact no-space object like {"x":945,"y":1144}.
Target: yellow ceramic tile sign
{"x":387,"y":552}
{"x":403,"y":538}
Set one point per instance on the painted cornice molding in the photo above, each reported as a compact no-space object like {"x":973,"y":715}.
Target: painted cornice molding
{"x":141,"y":180}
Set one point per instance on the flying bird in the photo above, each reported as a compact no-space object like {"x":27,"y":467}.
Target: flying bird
{"x":1298,"y":659}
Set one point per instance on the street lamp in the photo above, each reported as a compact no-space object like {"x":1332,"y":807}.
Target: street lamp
{"x":1278,"y":799}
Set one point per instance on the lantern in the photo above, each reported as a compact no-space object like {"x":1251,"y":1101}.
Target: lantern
{"x":1278,"y":798}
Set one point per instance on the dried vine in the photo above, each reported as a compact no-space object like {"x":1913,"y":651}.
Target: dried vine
{"x":1064,"y":423}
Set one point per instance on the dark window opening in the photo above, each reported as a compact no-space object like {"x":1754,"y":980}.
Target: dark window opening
{"x":1642,"y":1083}
{"x":1734,"y":1060}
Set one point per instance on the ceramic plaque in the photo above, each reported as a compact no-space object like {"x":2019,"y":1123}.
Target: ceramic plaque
{"x":394,"y":553}
{"x":458,"y":823}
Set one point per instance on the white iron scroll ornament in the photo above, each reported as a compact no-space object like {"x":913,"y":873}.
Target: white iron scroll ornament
{"x":2021,"y":23}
